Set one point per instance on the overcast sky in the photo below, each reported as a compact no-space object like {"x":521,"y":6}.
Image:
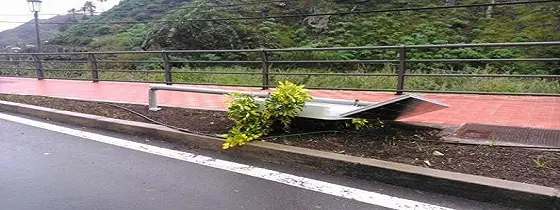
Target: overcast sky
{"x":10,"y":10}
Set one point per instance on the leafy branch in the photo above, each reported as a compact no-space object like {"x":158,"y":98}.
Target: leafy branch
{"x":253,"y":121}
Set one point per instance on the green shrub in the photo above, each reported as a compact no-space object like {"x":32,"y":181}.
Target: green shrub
{"x":103,"y":30}
{"x":286,"y":102}
{"x":250,"y":122}
{"x":253,"y":121}
{"x":358,"y":123}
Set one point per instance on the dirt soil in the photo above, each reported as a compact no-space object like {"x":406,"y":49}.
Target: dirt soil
{"x":392,"y":142}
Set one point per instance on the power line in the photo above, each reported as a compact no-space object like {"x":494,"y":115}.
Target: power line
{"x":189,"y":7}
{"x":313,"y":15}
{"x":239,"y":4}
{"x":1,"y":21}
{"x":388,"y":10}
{"x":20,"y":15}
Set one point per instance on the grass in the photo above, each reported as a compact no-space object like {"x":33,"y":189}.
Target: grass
{"x":183,"y":75}
{"x":539,"y":162}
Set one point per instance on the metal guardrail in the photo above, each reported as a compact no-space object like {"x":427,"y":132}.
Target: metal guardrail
{"x":152,"y":96}
{"x":93,"y":60}
{"x":326,"y":108}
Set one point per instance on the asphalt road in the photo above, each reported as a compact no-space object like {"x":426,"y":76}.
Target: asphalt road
{"x":45,"y":169}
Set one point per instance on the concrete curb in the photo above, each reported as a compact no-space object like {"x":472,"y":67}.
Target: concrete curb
{"x":509,"y":193}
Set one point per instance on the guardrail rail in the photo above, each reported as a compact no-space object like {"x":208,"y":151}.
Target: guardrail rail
{"x":90,"y":64}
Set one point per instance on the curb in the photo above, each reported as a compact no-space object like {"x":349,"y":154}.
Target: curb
{"x":509,"y":193}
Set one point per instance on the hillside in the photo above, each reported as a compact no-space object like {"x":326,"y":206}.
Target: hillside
{"x":534,"y":22}
{"x":94,"y":29}
{"x":174,"y":28}
{"x":25,"y":33}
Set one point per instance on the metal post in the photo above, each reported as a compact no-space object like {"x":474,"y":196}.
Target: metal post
{"x":152,"y":100}
{"x":167,"y":66}
{"x":402,"y":69}
{"x":36,"y":14}
{"x":38,"y":67}
{"x":93,"y":67}
{"x":265,"y":79}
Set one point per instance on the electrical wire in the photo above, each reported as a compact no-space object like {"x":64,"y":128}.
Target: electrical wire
{"x":148,"y":10}
{"x":25,"y":15}
{"x":309,"y":15}
{"x":235,"y":5}
{"x":206,"y":134}
{"x":163,"y":124}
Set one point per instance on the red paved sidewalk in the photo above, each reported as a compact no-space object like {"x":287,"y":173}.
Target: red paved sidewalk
{"x":524,"y":111}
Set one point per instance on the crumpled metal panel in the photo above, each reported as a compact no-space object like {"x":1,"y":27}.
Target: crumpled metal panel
{"x":397,"y":108}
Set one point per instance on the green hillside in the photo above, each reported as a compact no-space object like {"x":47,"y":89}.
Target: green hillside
{"x":175,"y":24}
{"x":532,"y":22}
{"x":94,"y":34}
{"x":174,"y":29}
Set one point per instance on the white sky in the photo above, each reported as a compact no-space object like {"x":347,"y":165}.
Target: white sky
{"x":10,"y":8}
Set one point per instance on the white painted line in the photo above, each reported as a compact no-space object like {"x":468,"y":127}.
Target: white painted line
{"x":288,"y":179}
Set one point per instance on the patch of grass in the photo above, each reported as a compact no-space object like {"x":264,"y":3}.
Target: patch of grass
{"x":539,"y":162}
{"x":235,"y":79}
{"x":194,"y":75}
{"x":534,"y":85}
{"x":132,"y":76}
{"x":493,"y":141}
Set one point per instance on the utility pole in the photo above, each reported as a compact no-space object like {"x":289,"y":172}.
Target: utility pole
{"x":35,"y":7}
{"x":36,"y":14}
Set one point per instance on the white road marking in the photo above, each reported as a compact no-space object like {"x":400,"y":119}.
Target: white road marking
{"x":288,"y":179}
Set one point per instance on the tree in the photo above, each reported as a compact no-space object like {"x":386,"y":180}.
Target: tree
{"x":89,"y":7}
{"x":73,"y":12}
{"x":84,"y":9}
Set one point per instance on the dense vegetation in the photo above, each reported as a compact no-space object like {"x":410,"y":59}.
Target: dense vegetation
{"x":531,"y":22}
{"x":169,"y":25}
{"x":97,"y":34}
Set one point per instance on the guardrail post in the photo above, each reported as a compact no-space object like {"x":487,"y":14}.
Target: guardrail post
{"x":93,"y":67}
{"x":167,"y":66}
{"x":152,"y":100}
{"x":265,"y":79}
{"x":38,"y":67}
{"x":402,"y":69}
